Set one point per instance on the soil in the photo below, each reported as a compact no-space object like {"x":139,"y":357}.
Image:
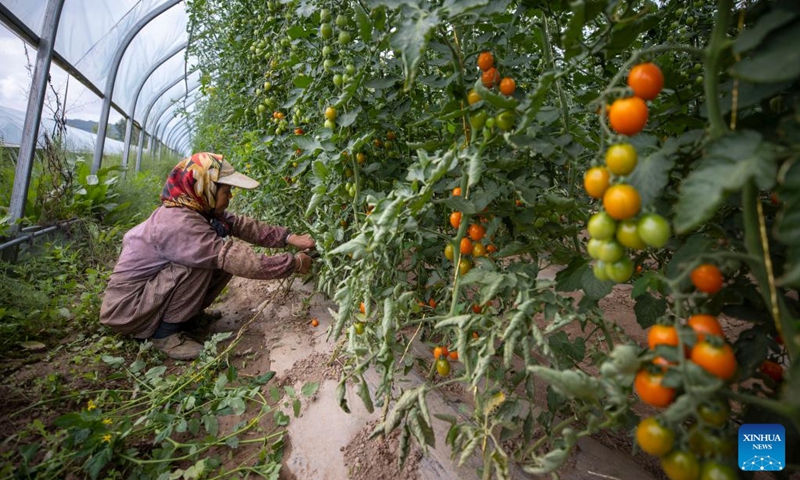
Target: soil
{"x":323,"y":442}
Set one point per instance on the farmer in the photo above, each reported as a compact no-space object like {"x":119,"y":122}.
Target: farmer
{"x":175,"y":263}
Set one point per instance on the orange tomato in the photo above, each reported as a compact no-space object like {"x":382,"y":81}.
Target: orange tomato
{"x":716,"y":360}
{"x":622,"y":201}
{"x":455,"y":219}
{"x":466,"y":246}
{"x":646,"y":80}
{"x":490,"y":77}
{"x":596,"y":181}
{"x":476,"y":232}
{"x":473,"y":97}
{"x":507,"y":86}
{"x":453,"y":355}
{"x":438,"y":352}
{"x":314,"y":322}
{"x":485,"y":61}
{"x":707,"y":278}
{"x":628,"y":116}
{"x":491,"y":248}
{"x":704,"y":325}
{"x":299,"y":131}
{"x":432,"y":302}
{"x":457,"y":192}
{"x":648,"y":387}
{"x":362,"y":308}
{"x":477,"y":309}
{"x":662,"y":335}
{"x":360,"y":157}
{"x":478,"y":250}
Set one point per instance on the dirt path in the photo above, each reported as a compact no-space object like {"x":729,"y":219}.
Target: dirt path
{"x":324,"y":442}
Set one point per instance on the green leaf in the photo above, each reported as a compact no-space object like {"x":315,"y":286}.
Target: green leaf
{"x":475,"y":168}
{"x":411,"y":38}
{"x":457,"y":7}
{"x":309,"y":389}
{"x":566,"y":350}
{"x":730,"y":162}
{"x":302,"y":81}
{"x":363,"y":393}
{"x":307,"y":143}
{"x":694,"y":246}
{"x":575,"y":27}
{"x":364,"y":23}
{"x":578,"y":276}
{"x":777,"y":61}
{"x":297,"y":31}
{"x":773,"y":20}
{"x":341,"y":390}
{"x":296,"y":407}
{"x":652,"y":173}
{"x":320,"y":170}
{"x":381,"y":83}
{"x":347,"y":119}
{"x":649,"y":309}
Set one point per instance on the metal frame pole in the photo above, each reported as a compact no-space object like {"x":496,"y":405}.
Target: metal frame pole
{"x":144,"y":121}
{"x":129,"y":126}
{"x":112,"y":78}
{"x":33,"y":115}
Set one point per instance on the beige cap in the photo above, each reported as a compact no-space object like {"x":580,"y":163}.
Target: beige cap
{"x":229,"y":176}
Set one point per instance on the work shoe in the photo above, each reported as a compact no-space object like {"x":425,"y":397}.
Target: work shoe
{"x":178,"y":346}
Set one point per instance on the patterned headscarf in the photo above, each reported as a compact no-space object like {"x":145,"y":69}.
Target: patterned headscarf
{"x":192,"y":184}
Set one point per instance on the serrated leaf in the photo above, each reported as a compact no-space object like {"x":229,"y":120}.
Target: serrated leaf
{"x":475,"y":168}
{"x":494,"y":99}
{"x":652,"y":173}
{"x":363,"y":393}
{"x":649,"y":310}
{"x":306,"y":142}
{"x":562,"y":346}
{"x":346,"y":119}
{"x":776,"y":61}
{"x":309,"y":388}
{"x":411,"y":38}
{"x":341,"y":389}
{"x":730,"y":162}
{"x":302,"y":81}
{"x":769,"y":22}
{"x":364,"y":23}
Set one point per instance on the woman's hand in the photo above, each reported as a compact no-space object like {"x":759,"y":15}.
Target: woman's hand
{"x":303,"y":242}
{"x":302,"y":262}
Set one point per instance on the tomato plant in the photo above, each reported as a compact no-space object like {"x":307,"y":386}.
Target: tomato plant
{"x":679,"y":171}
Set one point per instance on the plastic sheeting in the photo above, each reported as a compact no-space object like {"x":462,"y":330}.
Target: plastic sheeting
{"x":90,"y":32}
{"x":77,"y":140}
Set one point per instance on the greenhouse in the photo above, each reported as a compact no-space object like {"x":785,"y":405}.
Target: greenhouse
{"x":464,"y":239}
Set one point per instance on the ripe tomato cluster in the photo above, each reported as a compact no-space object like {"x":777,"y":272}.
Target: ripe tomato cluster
{"x":490,"y":77}
{"x":470,"y":244}
{"x":628,"y":116}
{"x":705,"y":346}
{"x":617,"y":228}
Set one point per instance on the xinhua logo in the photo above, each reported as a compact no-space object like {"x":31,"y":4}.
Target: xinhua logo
{"x":762,"y":446}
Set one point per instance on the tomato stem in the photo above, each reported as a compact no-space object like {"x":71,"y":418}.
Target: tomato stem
{"x":718,"y":43}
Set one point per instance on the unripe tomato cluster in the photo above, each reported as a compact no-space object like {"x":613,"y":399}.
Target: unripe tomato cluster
{"x":708,"y":349}
{"x":490,"y":78}
{"x":617,"y":226}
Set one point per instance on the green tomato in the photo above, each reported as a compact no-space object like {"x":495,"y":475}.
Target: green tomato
{"x":680,"y":465}
{"x":601,"y":226}
{"x":478,"y":119}
{"x":344,"y":38}
{"x":717,"y":471}
{"x":327,"y":50}
{"x":714,"y":413}
{"x":505,"y":120}
{"x":337,"y":80}
{"x":358,"y":327}
{"x":350,"y":69}
{"x":443,"y":367}
{"x":324,"y":14}
{"x":599,"y":270}
{"x":627,"y":235}
{"x":610,"y":251}
{"x":267,"y":86}
{"x":490,"y":122}
{"x":593,"y":247}
{"x":328,"y":64}
{"x":621,"y":270}
{"x":341,"y":20}
{"x":654,"y":230}
{"x":329,"y":124}
{"x":326,"y":31}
